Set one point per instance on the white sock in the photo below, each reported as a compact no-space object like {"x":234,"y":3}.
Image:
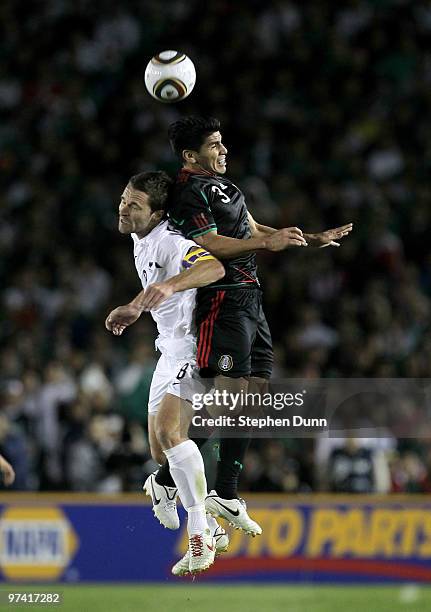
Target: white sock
{"x":212,"y":524}
{"x":187,"y":469}
{"x":197,"y":519}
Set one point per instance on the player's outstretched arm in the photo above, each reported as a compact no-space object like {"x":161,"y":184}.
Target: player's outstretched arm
{"x":277,"y":240}
{"x":320,"y":240}
{"x":329,"y":237}
{"x":7,"y":471}
{"x":227,"y":248}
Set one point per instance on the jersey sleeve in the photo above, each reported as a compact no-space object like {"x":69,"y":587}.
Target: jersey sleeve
{"x":191,"y":213}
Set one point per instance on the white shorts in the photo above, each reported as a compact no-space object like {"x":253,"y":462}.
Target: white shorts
{"x":179,"y":377}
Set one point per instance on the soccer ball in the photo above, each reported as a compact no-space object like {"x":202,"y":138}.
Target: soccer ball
{"x":170,"y":76}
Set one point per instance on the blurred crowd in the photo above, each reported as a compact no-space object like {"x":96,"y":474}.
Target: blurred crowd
{"x":324,"y":110}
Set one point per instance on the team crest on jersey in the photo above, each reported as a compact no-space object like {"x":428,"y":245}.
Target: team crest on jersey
{"x":225,"y":363}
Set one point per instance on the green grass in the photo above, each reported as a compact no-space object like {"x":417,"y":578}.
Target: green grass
{"x":226,"y":598}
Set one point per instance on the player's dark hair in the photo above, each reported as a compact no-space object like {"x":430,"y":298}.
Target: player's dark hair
{"x":191,"y":132}
{"x":156,"y":184}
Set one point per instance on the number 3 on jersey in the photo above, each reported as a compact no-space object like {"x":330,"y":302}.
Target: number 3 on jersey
{"x":224,"y":198}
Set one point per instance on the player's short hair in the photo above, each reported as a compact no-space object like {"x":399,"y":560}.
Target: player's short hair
{"x":191,"y":132}
{"x":156,"y":184}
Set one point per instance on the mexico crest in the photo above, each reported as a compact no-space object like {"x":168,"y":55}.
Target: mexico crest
{"x":225,"y":363}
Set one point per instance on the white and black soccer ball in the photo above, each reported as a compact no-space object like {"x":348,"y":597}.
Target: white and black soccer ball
{"x":170,"y":76}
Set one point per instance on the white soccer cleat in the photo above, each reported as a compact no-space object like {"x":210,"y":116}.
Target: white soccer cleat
{"x":181,"y":568}
{"x":202,"y":550}
{"x":164,"y":502}
{"x":234,"y":511}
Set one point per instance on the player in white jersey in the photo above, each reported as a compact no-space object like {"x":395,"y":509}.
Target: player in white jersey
{"x":170,"y":268}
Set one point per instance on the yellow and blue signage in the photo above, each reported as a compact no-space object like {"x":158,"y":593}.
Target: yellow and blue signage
{"x":326,"y":540}
{"x":36,"y":543}
{"x":315,"y":538}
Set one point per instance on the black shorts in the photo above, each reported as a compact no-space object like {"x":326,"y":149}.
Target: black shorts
{"x":233,"y":335}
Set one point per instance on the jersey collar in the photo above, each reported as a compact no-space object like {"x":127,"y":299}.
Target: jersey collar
{"x":151,"y":235}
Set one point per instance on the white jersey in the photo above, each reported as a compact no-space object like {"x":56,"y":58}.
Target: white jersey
{"x":159,"y":256}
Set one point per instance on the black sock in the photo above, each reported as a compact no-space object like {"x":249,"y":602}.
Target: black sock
{"x":229,"y":466}
{"x":163,"y":476}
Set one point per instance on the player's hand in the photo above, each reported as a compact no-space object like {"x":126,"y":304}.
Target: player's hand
{"x":7,"y":471}
{"x":285,"y":238}
{"x":330,"y":237}
{"x":155,"y":295}
{"x":121,"y":317}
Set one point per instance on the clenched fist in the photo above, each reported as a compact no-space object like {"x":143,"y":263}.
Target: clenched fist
{"x":156,"y":294}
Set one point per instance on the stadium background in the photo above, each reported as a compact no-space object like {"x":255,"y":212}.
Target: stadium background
{"x":324,"y":110}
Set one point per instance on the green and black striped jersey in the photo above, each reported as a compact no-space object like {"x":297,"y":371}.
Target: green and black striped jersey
{"x":204,"y":202}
